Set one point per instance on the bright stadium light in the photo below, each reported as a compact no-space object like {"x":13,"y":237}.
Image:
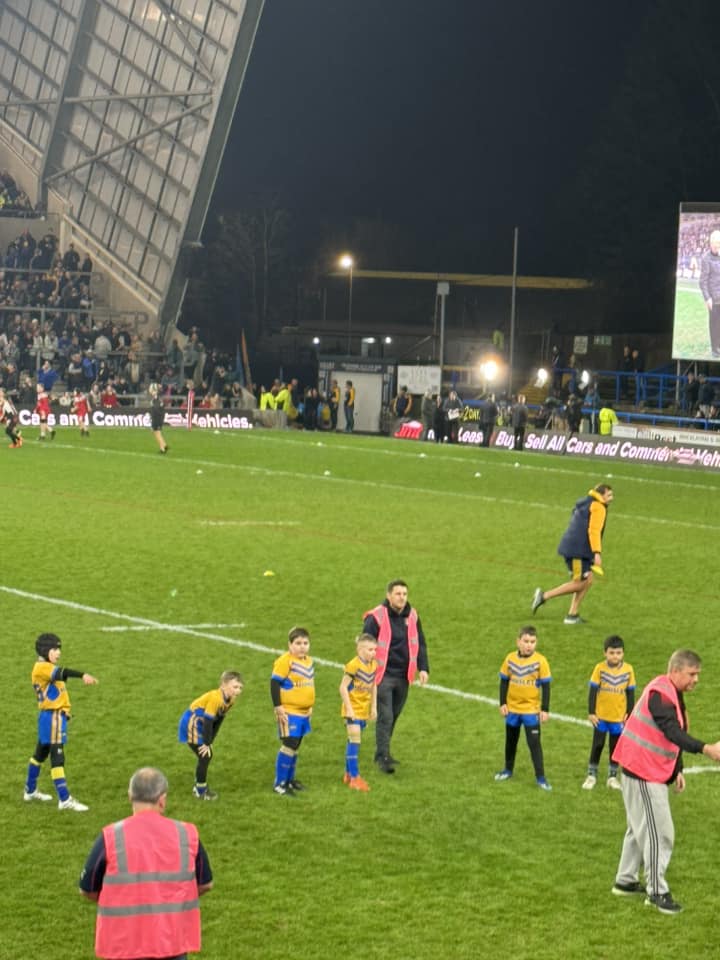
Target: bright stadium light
{"x":584,"y":378}
{"x":542,"y":377}
{"x":489,"y":370}
{"x":316,"y":341}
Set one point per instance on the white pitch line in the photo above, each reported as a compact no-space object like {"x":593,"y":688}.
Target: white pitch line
{"x":179,"y":628}
{"x":249,"y":523}
{"x":192,"y":626}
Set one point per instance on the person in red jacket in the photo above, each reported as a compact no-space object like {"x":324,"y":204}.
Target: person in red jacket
{"x":650,"y":753}
{"x":146,"y":874}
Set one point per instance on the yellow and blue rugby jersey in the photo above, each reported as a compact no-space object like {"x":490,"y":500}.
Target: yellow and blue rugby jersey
{"x":360,"y":689}
{"x":612,"y":685}
{"x":525,"y":674}
{"x":296,"y":676}
{"x":211,"y":704}
{"x":51,"y":692}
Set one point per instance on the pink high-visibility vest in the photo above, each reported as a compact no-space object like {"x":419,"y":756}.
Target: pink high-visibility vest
{"x":382,"y":618}
{"x":148,"y":905}
{"x":643,"y":748}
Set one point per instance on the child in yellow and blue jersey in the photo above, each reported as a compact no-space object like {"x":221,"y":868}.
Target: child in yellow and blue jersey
{"x":292,"y":689}
{"x":200,"y":723}
{"x":359,"y":704}
{"x":525,"y":702}
{"x":48,"y":680}
{"x":611,"y":699}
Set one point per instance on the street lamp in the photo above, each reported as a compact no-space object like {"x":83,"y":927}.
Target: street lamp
{"x":347,"y":263}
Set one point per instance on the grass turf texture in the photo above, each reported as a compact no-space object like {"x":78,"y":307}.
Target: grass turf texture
{"x":438,"y":860}
{"x":691,"y":338}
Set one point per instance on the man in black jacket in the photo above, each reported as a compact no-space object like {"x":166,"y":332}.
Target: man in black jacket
{"x":401,"y":657}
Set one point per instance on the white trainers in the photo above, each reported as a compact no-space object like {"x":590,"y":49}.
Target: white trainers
{"x":72,"y":804}
{"x":589,"y":782}
{"x":36,"y":795}
{"x":614,"y":783}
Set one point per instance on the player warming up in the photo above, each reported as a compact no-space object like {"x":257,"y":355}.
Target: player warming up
{"x":42,"y":409}
{"x":359,"y":705}
{"x":81,"y":409}
{"x":610,"y":701}
{"x":48,"y":680}
{"x":525,"y":702}
{"x":9,"y":417}
{"x":292,"y":688}
{"x":200,"y":723}
{"x":581,"y":548}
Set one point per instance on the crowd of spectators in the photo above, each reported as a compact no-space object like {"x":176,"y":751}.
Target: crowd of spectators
{"x":13,"y":200}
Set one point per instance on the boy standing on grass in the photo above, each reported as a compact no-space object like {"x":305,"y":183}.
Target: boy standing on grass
{"x":48,"y":680}
{"x":359,"y":704}
{"x":292,"y":688}
{"x":524,"y":702}
{"x":200,"y":723}
{"x":610,"y":701}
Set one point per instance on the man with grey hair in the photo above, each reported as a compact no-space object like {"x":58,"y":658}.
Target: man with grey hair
{"x":650,"y":753}
{"x":710,"y":289}
{"x":146,"y":873}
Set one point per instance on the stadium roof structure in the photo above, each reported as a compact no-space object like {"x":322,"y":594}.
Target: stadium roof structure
{"x":474,"y":279}
{"x":116,"y":113}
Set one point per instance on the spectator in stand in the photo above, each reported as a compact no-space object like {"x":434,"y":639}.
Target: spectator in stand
{"x":27,"y":393}
{"x":640,"y":383}
{"x":102,"y":346}
{"x":190,"y":358}
{"x":71,"y":259}
{"x":74,"y":372}
{"x":86,"y":270}
{"x":607,"y":419}
{"x":12,"y":383}
{"x":334,"y":404}
{"x":109,"y":398}
{"x":89,"y":368}
{"x":706,"y":397}
{"x":626,"y":368}
{"x":47,"y":376}
{"x":691,"y":393}
{"x":174,"y":356}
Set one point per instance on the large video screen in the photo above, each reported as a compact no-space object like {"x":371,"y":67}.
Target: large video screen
{"x":696,"y":323}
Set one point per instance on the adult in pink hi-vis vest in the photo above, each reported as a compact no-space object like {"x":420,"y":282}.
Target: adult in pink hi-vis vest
{"x":147,"y":873}
{"x":649,"y":752}
{"x":401,"y":659}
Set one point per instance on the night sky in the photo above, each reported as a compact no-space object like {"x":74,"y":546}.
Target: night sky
{"x":455,"y":120}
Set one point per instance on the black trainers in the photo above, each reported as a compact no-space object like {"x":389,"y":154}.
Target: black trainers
{"x":627,"y":889}
{"x":537,"y":600}
{"x":386,"y":764}
{"x":664,"y":903}
{"x":296,"y":785}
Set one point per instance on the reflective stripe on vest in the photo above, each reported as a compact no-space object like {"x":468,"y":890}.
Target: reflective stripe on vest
{"x":643,"y":748}
{"x":382,"y":618}
{"x":148,"y":903}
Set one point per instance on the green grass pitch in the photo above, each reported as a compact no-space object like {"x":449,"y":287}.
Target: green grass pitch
{"x":691,"y":338}
{"x":151,"y":570}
